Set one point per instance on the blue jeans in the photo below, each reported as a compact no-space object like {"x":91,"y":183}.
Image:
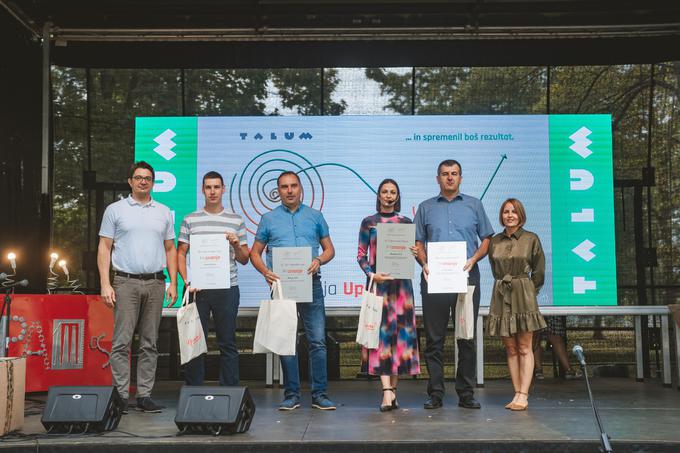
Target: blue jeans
{"x":313,"y":317}
{"x":223,"y":303}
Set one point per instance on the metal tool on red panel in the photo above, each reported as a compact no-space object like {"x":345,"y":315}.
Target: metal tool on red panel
{"x":68,"y":344}
{"x":94,"y":344}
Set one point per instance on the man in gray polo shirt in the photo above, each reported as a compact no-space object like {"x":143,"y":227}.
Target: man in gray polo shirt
{"x":223,"y":303}
{"x":141,"y":233}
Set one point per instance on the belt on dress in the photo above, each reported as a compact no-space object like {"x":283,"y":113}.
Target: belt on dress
{"x":504,"y":287}
{"x":152,"y":276}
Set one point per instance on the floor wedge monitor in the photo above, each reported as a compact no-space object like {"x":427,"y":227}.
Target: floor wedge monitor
{"x":80,"y":409}
{"x":214,"y":410}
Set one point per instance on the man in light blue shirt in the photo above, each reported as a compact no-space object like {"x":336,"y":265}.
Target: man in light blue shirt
{"x":141,"y":234}
{"x":450,"y":216}
{"x":295,"y":225}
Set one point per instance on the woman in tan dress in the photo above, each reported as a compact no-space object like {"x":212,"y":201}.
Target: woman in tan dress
{"x":518,"y":267}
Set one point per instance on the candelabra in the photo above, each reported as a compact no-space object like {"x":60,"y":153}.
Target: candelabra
{"x":72,"y":285}
{"x":53,"y":277}
{"x":8,"y":281}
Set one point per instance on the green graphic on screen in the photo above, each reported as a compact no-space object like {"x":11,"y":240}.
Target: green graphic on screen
{"x":559,"y":166}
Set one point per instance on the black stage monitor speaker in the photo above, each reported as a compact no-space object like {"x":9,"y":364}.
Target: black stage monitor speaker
{"x":80,"y":409}
{"x":214,"y":410}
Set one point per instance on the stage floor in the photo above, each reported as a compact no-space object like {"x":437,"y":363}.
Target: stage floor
{"x":637,"y":416}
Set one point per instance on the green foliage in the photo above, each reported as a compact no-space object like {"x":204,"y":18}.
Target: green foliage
{"x":117,"y":96}
{"x":624,"y":91}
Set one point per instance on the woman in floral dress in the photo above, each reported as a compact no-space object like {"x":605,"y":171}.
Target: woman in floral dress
{"x":397,"y":352}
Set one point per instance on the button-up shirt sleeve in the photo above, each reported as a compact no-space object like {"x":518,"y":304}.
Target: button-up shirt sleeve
{"x":421,"y":232}
{"x":484,"y":228}
{"x":322,"y":227}
{"x":263,"y":230}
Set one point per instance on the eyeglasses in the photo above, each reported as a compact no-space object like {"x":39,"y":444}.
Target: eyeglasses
{"x":143,"y":178}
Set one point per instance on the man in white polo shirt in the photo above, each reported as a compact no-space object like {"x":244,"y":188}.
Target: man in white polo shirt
{"x":141,"y":233}
{"x":223,"y":303}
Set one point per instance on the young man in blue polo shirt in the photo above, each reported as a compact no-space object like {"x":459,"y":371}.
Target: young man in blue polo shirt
{"x":295,"y":225}
{"x":141,"y":234}
{"x":450,"y":216}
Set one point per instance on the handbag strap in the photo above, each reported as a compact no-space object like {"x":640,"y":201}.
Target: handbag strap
{"x":276,"y":291}
{"x":186,"y":297}
{"x":370,"y":283}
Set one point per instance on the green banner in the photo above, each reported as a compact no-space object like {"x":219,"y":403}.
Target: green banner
{"x":582,"y":210}
{"x":170,"y":145}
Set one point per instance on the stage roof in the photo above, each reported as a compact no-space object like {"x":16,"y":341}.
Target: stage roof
{"x":301,"y":33}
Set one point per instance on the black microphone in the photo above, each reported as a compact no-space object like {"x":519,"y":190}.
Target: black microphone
{"x":578,"y":352}
{"x":23,"y":283}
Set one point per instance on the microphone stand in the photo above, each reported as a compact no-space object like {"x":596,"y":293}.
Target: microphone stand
{"x":605,"y":446}
{"x":4,"y":321}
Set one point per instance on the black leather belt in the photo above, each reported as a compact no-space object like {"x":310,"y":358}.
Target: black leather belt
{"x":153,"y":276}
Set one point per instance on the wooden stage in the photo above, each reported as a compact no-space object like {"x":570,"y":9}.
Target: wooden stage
{"x":639,"y":417}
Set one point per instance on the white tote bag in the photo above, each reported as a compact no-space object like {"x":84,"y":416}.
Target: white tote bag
{"x":465,"y":315}
{"x":276,"y":328}
{"x":370,"y":318}
{"x":191,"y":339}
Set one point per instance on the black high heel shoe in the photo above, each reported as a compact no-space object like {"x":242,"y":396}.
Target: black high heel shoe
{"x":394,"y":404}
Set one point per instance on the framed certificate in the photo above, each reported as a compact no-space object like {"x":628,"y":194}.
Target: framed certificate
{"x":291,"y":264}
{"x":445,"y":261}
{"x":393,"y":254}
{"x":210,"y":264}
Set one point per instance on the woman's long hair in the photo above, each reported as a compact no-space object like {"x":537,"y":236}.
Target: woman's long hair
{"x":397,"y":204}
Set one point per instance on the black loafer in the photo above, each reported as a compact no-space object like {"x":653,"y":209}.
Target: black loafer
{"x":433,"y":402}
{"x":469,"y":403}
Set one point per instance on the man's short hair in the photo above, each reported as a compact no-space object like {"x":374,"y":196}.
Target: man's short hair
{"x":449,"y":163}
{"x":287,"y":173}
{"x":212,"y":175}
{"x":141,"y":164}
{"x":519,"y":210}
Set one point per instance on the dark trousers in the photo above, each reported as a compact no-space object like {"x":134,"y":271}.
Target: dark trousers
{"x":437,"y":308}
{"x":223,"y":303}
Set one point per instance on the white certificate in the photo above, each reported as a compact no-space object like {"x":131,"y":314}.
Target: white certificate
{"x":291,"y":264}
{"x":445,"y":261}
{"x":393,"y":254}
{"x":210,"y":266}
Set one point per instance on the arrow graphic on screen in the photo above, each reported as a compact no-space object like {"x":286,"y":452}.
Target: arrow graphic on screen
{"x":583,"y":250}
{"x":503,"y":157}
{"x":581,"y":142}
{"x":165,"y":144}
